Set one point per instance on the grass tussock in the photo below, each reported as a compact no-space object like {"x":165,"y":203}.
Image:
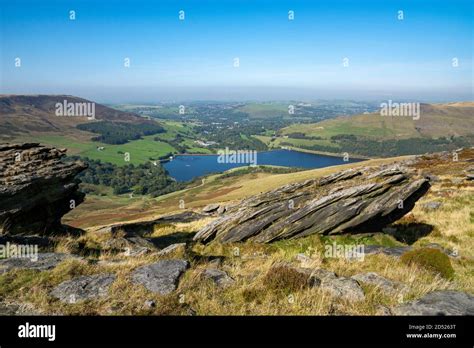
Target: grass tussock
{"x":284,"y":278}
{"x":432,"y":259}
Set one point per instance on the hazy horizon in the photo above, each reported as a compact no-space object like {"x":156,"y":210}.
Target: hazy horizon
{"x":148,"y":51}
{"x":235,"y":94}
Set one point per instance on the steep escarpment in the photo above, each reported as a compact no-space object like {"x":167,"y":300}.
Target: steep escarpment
{"x":362,"y":200}
{"x":36,"y":188}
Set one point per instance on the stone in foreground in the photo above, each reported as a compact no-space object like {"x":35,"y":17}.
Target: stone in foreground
{"x":40,"y":262}
{"x":329,"y":282}
{"x":16,"y":308}
{"x":161,"y":277}
{"x":83,"y":288}
{"x":343,"y":288}
{"x":130,"y":245}
{"x":220,"y":278}
{"x":439,"y":303}
{"x":387,"y":286}
{"x":210,"y":208}
{"x":172,"y":248}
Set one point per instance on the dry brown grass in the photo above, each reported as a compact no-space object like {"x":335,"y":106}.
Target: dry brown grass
{"x":251,"y":293}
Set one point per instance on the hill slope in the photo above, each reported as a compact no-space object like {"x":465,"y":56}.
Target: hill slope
{"x":439,"y":127}
{"x":37,"y":113}
{"x":32,"y":118}
{"x":436,"y":120}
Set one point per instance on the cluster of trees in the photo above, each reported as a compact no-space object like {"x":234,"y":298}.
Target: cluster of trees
{"x":260,"y":169}
{"x":400,"y":147}
{"x":234,"y":139}
{"x":120,"y":132}
{"x":315,"y":147}
{"x":177,"y":143}
{"x":143,"y":179}
{"x":299,"y":135}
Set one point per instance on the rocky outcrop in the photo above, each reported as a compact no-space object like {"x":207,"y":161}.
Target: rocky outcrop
{"x":129,"y":245}
{"x":161,"y":277}
{"x":214,"y":209}
{"x":439,"y":303}
{"x":345,"y":202}
{"x":211,"y":208}
{"x":18,"y":308}
{"x":39,"y":262}
{"x":387,"y":286}
{"x":219,"y":277}
{"x":172,"y":248}
{"x":338,"y":287}
{"x":83,"y":288}
{"x":36,"y":188}
{"x":398,"y":251}
{"x":344,"y":288}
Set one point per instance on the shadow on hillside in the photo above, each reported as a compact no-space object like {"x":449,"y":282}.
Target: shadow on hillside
{"x":67,"y":230}
{"x":172,"y":238}
{"x":410,"y":233}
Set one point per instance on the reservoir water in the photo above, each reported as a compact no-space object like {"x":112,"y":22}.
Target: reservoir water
{"x":185,"y":168}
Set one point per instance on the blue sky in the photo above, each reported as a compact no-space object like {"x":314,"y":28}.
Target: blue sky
{"x":279,"y":58}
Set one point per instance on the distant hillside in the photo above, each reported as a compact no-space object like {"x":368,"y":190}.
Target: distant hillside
{"x":436,"y":120}
{"x":23,"y":114}
{"x":32,"y":118}
{"x":439,"y":127}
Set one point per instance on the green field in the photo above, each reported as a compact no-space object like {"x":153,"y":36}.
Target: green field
{"x":259,"y":110}
{"x":140,"y":151}
{"x":174,"y":128}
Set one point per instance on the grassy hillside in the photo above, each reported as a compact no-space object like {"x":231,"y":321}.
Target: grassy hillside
{"x":440,"y":127}
{"x":435,"y":121}
{"x":32,"y":118}
{"x":24,"y":114}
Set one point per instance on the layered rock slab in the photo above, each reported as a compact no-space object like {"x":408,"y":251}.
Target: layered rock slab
{"x":345,"y":202}
{"x":446,"y":302}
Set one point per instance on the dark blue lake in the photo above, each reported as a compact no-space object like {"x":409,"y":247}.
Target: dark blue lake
{"x":184,"y":168}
